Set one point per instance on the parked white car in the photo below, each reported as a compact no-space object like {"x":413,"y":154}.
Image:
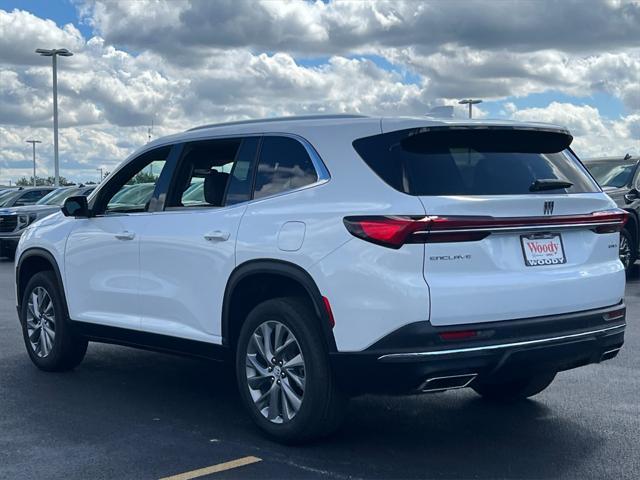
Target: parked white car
{"x":337,"y":255}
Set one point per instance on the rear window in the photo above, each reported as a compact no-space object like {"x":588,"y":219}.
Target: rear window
{"x":475,"y":162}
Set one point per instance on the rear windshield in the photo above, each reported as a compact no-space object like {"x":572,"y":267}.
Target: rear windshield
{"x":612,"y":174}
{"x":475,"y":162}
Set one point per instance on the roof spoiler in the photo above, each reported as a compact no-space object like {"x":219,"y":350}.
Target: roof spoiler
{"x":487,"y":138}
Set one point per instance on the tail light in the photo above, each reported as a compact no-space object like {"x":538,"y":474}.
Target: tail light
{"x":395,"y":231}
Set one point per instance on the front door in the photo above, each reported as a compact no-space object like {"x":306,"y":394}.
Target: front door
{"x":102,"y":258}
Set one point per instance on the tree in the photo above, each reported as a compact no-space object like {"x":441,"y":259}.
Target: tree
{"x":144,"y":177}
{"x":63,"y":181}
{"x":40,"y":182}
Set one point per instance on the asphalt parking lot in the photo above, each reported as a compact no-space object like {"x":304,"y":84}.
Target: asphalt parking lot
{"x":131,"y":414}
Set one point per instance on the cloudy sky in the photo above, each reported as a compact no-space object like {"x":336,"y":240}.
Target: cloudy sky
{"x":185,"y":63}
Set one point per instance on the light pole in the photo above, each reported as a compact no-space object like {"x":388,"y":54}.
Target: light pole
{"x":53,"y":53}
{"x":33,"y":142}
{"x":470,"y":102}
{"x":101,"y":174}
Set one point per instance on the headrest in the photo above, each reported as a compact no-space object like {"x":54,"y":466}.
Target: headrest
{"x":214,"y":187}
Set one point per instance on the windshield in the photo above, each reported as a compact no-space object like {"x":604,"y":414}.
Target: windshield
{"x":194,"y":195}
{"x":612,"y":174}
{"x":57,"y":197}
{"x":5,"y":197}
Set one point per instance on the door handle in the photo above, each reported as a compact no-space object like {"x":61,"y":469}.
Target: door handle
{"x":217,"y":236}
{"x":125,"y":235}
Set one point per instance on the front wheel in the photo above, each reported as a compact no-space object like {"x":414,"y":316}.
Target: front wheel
{"x":516,"y":389}
{"x":283,"y":372}
{"x":50,"y":341}
{"x":627,"y":249}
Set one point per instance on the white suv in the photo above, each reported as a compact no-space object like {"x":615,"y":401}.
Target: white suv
{"x":337,"y":255}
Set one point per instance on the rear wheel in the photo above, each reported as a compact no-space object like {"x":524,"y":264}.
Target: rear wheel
{"x":283,"y":372}
{"x":50,"y":342}
{"x":516,"y":389}
{"x":628,"y":249}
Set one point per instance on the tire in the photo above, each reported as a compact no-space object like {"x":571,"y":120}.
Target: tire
{"x":58,"y":348}
{"x":514,"y":390}
{"x":320,"y":404}
{"x":628,"y":250}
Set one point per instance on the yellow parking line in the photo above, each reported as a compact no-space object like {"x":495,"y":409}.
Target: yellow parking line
{"x":221,"y":467}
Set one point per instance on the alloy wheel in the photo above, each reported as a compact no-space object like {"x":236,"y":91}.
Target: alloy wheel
{"x":41,"y":322}
{"x":275,"y":372}
{"x":625,"y":251}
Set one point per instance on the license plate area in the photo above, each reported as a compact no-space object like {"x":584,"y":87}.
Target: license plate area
{"x":542,"y":249}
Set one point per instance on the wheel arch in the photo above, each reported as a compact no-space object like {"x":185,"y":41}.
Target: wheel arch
{"x":32,"y":261}
{"x":634,"y":226}
{"x":282,"y":277}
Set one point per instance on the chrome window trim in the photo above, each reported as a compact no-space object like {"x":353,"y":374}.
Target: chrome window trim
{"x":434,"y":353}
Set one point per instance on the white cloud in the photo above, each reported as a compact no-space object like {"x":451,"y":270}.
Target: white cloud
{"x":184,"y":63}
{"x":23,"y":32}
{"x":320,"y":28}
{"x":593,"y":134}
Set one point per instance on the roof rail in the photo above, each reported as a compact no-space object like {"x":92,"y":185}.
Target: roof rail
{"x":279,"y":119}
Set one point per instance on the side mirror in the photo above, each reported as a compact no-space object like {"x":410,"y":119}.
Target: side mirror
{"x":632,"y":195}
{"x":76,"y":207}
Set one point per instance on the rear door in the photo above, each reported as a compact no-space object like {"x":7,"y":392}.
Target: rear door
{"x":515,"y":227}
{"x":187,"y":251}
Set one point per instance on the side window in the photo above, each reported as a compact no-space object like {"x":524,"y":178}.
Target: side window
{"x":212,"y":170}
{"x":239,"y":189}
{"x":130,"y":190}
{"x":31,"y":197}
{"x":284,"y":165}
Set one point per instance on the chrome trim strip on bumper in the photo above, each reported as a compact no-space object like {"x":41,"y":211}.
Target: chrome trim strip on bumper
{"x":415,"y":355}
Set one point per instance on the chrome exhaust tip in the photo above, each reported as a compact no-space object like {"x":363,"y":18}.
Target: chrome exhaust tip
{"x":451,"y":382}
{"x":609,"y":354}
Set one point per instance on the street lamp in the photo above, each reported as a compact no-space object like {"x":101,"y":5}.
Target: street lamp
{"x":53,"y":53}
{"x":470,"y":102}
{"x":33,"y":142}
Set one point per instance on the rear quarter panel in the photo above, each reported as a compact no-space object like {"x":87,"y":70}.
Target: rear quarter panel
{"x":373,"y":290}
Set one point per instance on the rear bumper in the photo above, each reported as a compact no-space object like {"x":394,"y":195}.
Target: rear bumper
{"x":405,"y":360}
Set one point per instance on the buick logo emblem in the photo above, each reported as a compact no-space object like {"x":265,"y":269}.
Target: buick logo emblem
{"x":548,"y":208}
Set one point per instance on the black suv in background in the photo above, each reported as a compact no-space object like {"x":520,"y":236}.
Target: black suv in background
{"x":620,"y":179}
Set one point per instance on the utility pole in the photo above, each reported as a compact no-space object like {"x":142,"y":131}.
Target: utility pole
{"x":53,"y":53}
{"x":101,"y":175}
{"x":33,"y":142}
{"x":470,"y":102}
